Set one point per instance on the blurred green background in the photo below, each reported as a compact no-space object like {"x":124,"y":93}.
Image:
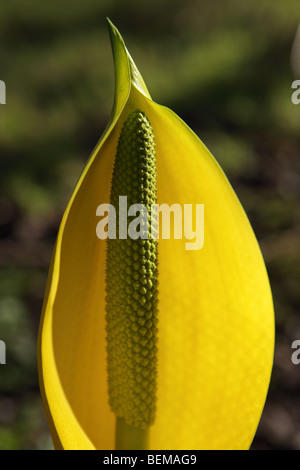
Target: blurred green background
{"x":225,"y":68}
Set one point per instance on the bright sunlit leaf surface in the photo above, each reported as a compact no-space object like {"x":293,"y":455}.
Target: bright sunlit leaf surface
{"x":215,"y":313}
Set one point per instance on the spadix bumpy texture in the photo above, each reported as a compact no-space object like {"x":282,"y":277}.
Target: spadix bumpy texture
{"x":131,"y":282}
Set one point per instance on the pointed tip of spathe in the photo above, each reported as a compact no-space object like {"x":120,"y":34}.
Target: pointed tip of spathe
{"x":113,"y":31}
{"x":120,"y":51}
{"x":110,"y":23}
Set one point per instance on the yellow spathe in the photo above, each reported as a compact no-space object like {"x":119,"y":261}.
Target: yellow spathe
{"x":216,"y":320}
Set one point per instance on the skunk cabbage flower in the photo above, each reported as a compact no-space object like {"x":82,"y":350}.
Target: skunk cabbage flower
{"x":151,"y":342}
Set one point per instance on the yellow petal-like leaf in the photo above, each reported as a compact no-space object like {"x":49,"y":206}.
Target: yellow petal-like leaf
{"x":216,"y":321}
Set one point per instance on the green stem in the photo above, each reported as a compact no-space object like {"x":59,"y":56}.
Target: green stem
{"x":129,"y":437}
